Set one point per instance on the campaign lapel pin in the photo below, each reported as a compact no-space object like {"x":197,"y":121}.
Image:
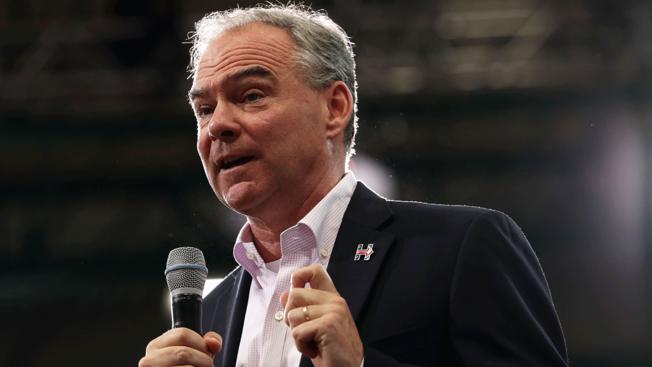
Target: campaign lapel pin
{"x":366,"y":252}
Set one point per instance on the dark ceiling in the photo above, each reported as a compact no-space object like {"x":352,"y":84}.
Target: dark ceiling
{"x":540,"y":109}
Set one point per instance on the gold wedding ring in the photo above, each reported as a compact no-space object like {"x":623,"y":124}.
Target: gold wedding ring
{"x":305,"y":313}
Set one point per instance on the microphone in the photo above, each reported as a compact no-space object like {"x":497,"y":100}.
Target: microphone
{"x":186,"y":273}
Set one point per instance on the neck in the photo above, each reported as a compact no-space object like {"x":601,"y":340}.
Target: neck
{"x":267,"y":229}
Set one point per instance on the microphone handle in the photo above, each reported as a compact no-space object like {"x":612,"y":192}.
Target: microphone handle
{"x":186,"y":312}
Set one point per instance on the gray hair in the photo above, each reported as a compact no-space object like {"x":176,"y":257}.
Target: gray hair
{"x":324,"y":51}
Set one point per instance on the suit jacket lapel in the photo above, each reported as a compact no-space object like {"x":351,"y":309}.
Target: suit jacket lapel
{"x":228,"y":313}
{"x":361,"y":224}
{"x":366,"y":213}
{"x":234,"y":328}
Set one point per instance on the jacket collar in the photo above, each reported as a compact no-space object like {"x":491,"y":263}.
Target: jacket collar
{"x":363,"y":223}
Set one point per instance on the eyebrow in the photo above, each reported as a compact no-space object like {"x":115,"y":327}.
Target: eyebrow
{"x":258,"y":71}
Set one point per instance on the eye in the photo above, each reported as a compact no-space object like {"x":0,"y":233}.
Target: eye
{"x":204,"y":110}
{"x":252,"y":96}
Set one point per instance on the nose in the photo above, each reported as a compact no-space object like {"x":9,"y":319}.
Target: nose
{"x":223,"y":125}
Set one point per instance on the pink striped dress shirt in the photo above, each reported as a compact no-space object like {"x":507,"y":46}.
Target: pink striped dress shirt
{"x":266,"y":340}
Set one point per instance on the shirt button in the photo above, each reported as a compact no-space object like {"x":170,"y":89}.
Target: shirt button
{"x":323,"y":252}
{"x":250,"y":255}
{"x":279,"y":316}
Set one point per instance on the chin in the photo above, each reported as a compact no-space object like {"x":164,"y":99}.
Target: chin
{"x":243,"y":203}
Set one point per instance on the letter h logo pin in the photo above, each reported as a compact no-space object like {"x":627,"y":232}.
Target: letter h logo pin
{"x":361,"y":251}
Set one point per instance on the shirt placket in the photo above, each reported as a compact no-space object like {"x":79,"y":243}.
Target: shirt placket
{"x":297,"y":254}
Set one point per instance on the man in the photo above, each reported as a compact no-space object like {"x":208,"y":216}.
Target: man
{"x":330,"y":273}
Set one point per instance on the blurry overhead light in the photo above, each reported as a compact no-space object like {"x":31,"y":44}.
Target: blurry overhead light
{"x":481,"y":24}
{"x":405,"y":79}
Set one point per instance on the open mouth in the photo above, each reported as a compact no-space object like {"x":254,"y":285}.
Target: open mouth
{"x":230,"y":163}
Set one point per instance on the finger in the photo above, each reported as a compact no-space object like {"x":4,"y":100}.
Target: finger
{"x":213,"y":342}
{"x":179,"y":337}
{"x":304,"y":338}
{"x":299,"y":315}
{"x":299,"y":297}
{"x":176,"y":356}
{"x":315,"y":275}
{"x":284,"y":298}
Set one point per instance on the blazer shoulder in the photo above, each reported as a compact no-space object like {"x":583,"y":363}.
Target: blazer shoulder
{"x":367,"y":203}
{"x":448,"y":216}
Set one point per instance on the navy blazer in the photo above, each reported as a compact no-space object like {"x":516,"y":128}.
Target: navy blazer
{"x":446,"y":286}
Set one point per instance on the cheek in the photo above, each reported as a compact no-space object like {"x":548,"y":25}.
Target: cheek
{"x":203,"y":145}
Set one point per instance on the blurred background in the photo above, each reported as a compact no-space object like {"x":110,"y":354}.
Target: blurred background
{"x":541,"y":109}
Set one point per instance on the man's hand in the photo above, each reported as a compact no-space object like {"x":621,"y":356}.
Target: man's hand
{"x":321,"y":323}
{"x":182,"y":347}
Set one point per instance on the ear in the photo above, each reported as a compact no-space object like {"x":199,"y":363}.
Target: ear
{"x":339,"y":105}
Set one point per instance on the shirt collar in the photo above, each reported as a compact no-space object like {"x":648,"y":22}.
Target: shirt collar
{"x":325,"y":218}
{"x":323,"y":221}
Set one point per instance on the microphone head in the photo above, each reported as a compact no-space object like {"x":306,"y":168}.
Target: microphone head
{"x":186,"y":271}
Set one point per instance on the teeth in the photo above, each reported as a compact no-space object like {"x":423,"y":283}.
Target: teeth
{"x":229,"y":163}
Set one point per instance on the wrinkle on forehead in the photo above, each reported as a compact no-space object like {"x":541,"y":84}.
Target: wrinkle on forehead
{"x":255,"y":55}
{"x":255,"y":44}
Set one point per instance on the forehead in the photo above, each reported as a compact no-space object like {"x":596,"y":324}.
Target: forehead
{"x":256,"y":44}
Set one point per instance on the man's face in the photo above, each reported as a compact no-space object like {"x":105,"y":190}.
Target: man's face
{"x":261,"y":133}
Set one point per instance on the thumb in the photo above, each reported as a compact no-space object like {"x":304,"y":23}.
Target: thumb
{"x":213,"y":342}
